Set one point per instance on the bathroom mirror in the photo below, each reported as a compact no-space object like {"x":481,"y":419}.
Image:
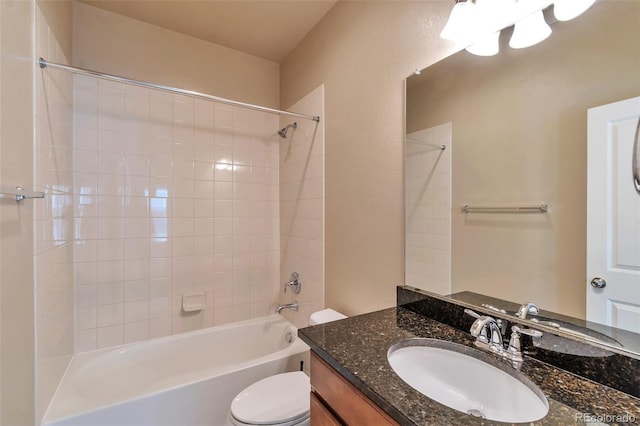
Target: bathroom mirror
{"x":515,"y":130}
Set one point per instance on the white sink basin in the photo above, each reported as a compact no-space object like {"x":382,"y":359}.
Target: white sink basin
{"x":443,"y":372}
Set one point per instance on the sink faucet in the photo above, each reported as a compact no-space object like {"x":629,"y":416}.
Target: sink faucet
{"x":293,"y":306}
{"x":487,"y":332}
{"x":527,"y":308}
{"x":488,"y":336}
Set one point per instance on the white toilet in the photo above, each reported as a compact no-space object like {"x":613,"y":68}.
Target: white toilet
{"x":280,"y":400}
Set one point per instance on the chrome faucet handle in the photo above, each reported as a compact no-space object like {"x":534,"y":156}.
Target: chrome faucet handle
{"x":493,"y":308}
{"x":528,"y":331}
{"x":294,"y":283}
{"x":527,"y":308}
{"x":472,"y":313}
{"x":514,"y":351}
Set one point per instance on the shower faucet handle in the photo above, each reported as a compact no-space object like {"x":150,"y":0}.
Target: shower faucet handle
{"x":294,"y":283}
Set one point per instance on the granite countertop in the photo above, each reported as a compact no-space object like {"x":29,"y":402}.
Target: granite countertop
{"x":357,"y":348}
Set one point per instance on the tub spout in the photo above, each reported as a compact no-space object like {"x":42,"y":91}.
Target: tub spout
{"x":293,"y":306}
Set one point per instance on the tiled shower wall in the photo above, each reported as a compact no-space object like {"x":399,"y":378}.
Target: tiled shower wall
{"x":302,"y":208}
{"x":173,"y":195}
{"x":53,"y":215}
{"x":428,"y":210}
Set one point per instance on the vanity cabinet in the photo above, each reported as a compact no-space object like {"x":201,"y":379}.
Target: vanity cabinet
{"x":335,"y":401}
{"x":320,"y":414}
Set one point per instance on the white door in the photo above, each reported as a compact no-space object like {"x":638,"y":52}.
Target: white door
{"x":613,"y":216}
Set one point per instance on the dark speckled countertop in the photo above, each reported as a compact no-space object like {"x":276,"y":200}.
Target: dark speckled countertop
{"x":357,"y":348}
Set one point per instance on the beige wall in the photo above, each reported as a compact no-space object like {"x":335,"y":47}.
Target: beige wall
{"x":111,"y":43}
{"x":57,"y":25}
{"x":1,"y":213}
{"x":519,"y":136}
{"x":16,"y":226}
{"x":362,"y":51}
{"x":53,"y":242}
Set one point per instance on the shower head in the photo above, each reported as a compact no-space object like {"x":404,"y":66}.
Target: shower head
{"x":283,"y":132}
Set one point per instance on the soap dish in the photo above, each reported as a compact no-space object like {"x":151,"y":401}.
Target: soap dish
{"x":193,"y":302}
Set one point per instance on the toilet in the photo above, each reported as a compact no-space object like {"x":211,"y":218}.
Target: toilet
{"x":325,"y":315}
{"x":279,"y":400}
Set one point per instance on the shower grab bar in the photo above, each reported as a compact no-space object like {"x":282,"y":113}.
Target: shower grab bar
{"x":44,"y":64}
{"x":635,"y":166}
{"x":541,"y":208}
{"x":435,"y":145}
{"x":20,"y":194}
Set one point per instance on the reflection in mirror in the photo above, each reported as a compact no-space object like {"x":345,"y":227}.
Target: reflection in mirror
{"x":428,"y":201}
{"x":621,"y":341}
{"x":515,"y":130}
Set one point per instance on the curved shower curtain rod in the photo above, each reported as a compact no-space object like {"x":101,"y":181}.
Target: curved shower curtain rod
{"x":44,"y":64}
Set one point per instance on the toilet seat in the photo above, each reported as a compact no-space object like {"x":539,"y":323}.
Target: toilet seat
{"x":281,"y":400}
{"x":304,"y":420}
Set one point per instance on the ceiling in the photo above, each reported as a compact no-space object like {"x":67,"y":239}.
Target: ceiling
{"x":268,"y":29}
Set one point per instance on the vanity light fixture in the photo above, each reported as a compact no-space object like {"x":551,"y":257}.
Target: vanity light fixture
{"x":462,"y":15}
{"x":487,"y":45}
{"x":477,"y":23}
{"x":529,"y":30}
{"x":490,"y":16}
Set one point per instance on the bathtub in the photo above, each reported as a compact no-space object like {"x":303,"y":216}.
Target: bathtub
{"x":186,"y":379}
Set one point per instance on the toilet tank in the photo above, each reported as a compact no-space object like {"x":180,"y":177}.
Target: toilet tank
{"x":325,"y":315}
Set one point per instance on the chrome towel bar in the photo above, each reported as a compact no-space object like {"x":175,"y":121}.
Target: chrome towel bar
{"x":20,"y":194}
{"x":541,"y":208}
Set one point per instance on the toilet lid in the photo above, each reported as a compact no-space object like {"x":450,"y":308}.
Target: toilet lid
{"x":276,"y":399}
{"x":324,"y":316}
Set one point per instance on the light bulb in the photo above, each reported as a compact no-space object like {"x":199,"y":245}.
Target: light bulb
{"x":460,"y":19}
{"x":487,"y":45}
{"x":495,"y":15}
{"x":565,"y":10}
{"x":529,"y":30}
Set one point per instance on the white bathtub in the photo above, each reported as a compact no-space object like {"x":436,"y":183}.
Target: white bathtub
{"x":186,"y":379}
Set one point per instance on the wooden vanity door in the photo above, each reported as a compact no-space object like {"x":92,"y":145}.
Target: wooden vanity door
{"x":334,"y":399}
